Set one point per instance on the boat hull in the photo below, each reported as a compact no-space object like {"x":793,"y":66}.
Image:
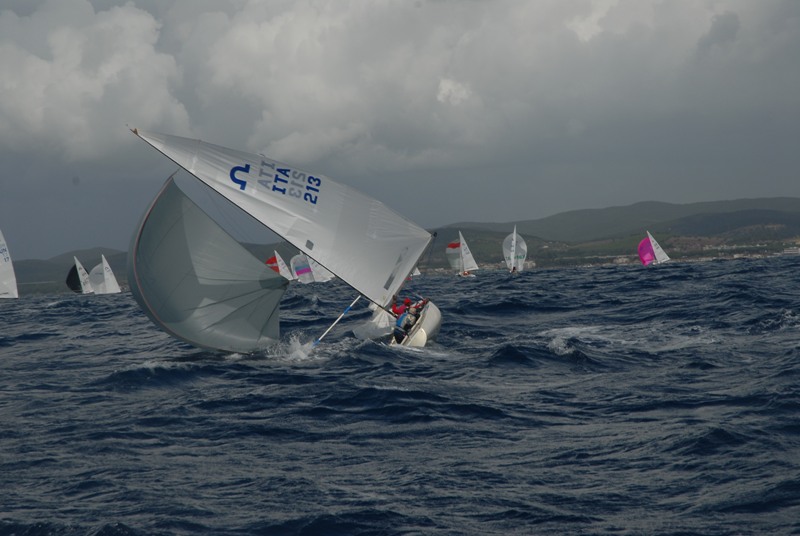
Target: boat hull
{"x":425,"y":329}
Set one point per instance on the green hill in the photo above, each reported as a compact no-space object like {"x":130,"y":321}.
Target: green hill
{"x":598,"y":224}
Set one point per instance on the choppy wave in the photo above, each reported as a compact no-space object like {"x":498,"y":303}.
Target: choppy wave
{"x":579,"y":401}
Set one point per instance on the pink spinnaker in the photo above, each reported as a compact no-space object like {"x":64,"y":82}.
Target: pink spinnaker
{"x":646,"y":253}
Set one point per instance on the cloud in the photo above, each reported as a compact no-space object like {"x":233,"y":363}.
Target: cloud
{"x":452,"y":92}
{"x":72,"y":77}
{"x":724,"y":28}
{"x":521,"y":108}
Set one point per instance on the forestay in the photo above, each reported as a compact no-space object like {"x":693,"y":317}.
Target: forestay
{"x":199,"y":284}
{"x":359,"y":239}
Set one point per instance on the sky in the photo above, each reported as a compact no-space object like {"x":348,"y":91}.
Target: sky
{"x":445,"y":110}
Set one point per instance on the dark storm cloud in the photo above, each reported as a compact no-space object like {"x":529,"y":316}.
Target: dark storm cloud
{"x":446,"y":110}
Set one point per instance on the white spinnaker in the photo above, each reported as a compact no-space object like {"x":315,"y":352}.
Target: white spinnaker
{"x":661,"y":255}
{"x":453,"y":255}
{"x":301,"y":269}
{"x":515,"y":250}
{"x":8,"y":279}
{"x":357,"y":238}
{"x":197,"y":283}
{"x":467,"y":260}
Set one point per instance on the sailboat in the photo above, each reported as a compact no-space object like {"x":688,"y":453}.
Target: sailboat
{"x":8,"y":280}
{"x":358,"y":239}
{"x":460,"y":257}
{"x":514,"y":252}
{"x":102,"y":278}
{"x":276,"y":263}
{"x":650,"y":252}
{"x":78,"y":278}
{"x":306,"y":270}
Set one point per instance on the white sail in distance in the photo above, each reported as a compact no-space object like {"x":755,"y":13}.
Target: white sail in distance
{"x":357,"y":238}
{"x":78,"y":278}
{"x":102,"y":278}
{"x":459,"y":256}
{"x":661,"y":255}
{"x":301,"y":269}
{"x":515,"y":250}
{"x":468,"y":263}
{"x":8,"y":279}
{"x":306,"y":270}
{"x":282,"y":268}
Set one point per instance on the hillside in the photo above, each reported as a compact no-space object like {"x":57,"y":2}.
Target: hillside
{"x":718,"y":229}
{"x":49,"y":276}
{"x":598,"y":224}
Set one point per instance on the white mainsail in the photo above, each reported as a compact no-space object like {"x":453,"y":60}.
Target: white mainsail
{"x":8,"y":280}
{"x":515,"y":250}
{"x":467,"y":260}
{"x":78,"y":278}
{"x":357,"y":238}
{"x":102,"y":278}
{"x":658,"y":251}
{"x":459,"y":256}
{"x":282,"y":268}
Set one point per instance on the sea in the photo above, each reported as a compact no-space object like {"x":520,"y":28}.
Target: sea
{"x":596,"y":400}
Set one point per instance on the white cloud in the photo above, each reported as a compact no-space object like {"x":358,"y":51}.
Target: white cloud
{"x":72,"y":91}
{"x":452,"y":92}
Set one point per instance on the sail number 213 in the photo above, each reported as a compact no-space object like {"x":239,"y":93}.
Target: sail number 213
{"x":289,"y":182}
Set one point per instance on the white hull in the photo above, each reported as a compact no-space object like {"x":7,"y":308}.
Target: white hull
{"x":426,"y":328}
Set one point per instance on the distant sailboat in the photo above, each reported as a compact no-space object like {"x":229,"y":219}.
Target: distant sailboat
{"x":102,"y":278}
{"x":650,"y":252}
{"x":78,"y":279}
{"x":355,"y":237}
{"x":460,"y":257}
{"x":306,"y":270}
{"x":515,"y":251}
{"x":8,"y":280}
{"x":276,"y":263}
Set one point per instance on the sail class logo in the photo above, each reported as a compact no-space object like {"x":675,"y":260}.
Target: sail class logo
{"x":240,"y":182}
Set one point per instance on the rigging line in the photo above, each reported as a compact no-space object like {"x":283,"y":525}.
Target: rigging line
{"x":337,"y":320}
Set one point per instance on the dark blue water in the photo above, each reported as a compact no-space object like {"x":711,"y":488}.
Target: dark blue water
{"x":615,"y":400}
